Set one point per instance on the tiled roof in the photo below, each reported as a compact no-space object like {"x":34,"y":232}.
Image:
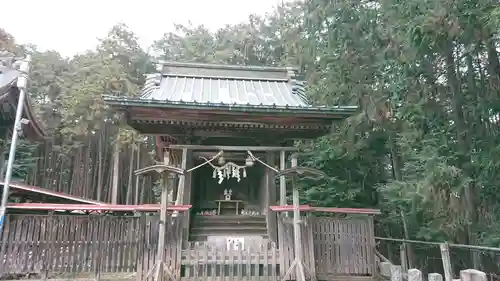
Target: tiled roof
{"x":217,"y":84}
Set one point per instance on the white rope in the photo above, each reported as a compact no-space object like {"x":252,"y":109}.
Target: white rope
{"x":209,"y":162}
{"x":206,"y":162}
{"x":262,"y":162}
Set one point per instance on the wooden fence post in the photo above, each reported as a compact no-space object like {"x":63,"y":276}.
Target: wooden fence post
{"x":3,"y":246}
{"x":415,"y":275}
{"x":141,"y":246}
{"x":99,"y":247}
{"x":445,"y":256}
{"x":404,"y":257}
{"x":472,"y":275}
{"x":49,"y":237}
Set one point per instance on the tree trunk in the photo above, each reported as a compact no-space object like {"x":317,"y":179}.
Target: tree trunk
{"x":457,"y":102}
{"x":116,"y":174}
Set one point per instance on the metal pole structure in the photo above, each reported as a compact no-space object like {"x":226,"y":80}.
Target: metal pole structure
{"x":22,"y":82}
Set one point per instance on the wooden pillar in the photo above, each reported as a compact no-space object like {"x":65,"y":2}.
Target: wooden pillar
{"x":299,"y":269}
{"x":282,"y":179}
{"x":167,"y":179}
{"x":270,"y":193}
{"x":263,"y":197}
{"x":445,"y":256}
{"x":188,"y":179}
{"x":182,"y":179}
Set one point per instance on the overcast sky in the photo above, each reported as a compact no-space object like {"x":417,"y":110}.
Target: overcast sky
{"x":72,"y":26}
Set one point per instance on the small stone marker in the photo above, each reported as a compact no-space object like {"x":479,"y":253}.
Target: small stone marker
{"x":435,"y":277}
{"x":414,"y":275}
{"x":396,"y":273}
{"x":385,"y":268}
{"x":472,"y":275}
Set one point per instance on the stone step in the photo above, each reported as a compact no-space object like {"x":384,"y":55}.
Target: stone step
{"x":230,"y":228}
{"x":224,"y":230}
{"x":204,"y":237}
{"x":210,"y":220}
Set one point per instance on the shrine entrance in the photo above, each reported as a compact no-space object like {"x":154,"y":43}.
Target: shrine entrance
{"x":228,"y":197}
{"x":228,"y":189}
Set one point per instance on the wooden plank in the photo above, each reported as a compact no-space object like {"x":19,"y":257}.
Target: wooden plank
{"x":265,"y":262}
{"x":309,"y":250}
{"x":53,"y":223}
{"x":274,"y":263}
{"x":247,"y":272}
{"x":96,"y":208}
{"x":289,"y":208}
{"x":142,"y":247}
{"x":348,"y":210}
{"x":3,"y":246}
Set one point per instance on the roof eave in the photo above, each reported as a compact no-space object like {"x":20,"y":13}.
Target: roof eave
{"x":344,"y":111}
{"x":11,"y":92}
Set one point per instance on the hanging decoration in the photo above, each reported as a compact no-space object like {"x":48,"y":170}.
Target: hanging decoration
{"x":228,"y":170}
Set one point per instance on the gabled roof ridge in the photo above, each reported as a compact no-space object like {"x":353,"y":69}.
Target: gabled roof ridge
{"x":225,"y":77}
{"x":161,"y":64}
{"x":231,"y":72}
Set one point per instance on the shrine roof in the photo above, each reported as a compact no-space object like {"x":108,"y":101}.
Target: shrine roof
{"x":189,"y":85}
{"x":35,"y":193}
{"x":9,"y":96}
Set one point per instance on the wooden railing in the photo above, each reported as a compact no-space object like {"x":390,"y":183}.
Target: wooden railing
{"x":203,"y":261}
{"x":51,"y":246}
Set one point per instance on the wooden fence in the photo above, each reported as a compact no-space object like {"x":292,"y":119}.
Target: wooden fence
{"x":287,"y":248}
{"x":51,"y":245}
{"x":343,"y":246}
{"x":54,"y":245}
{"x":68,"y":243}
{"x":204,"y":261}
